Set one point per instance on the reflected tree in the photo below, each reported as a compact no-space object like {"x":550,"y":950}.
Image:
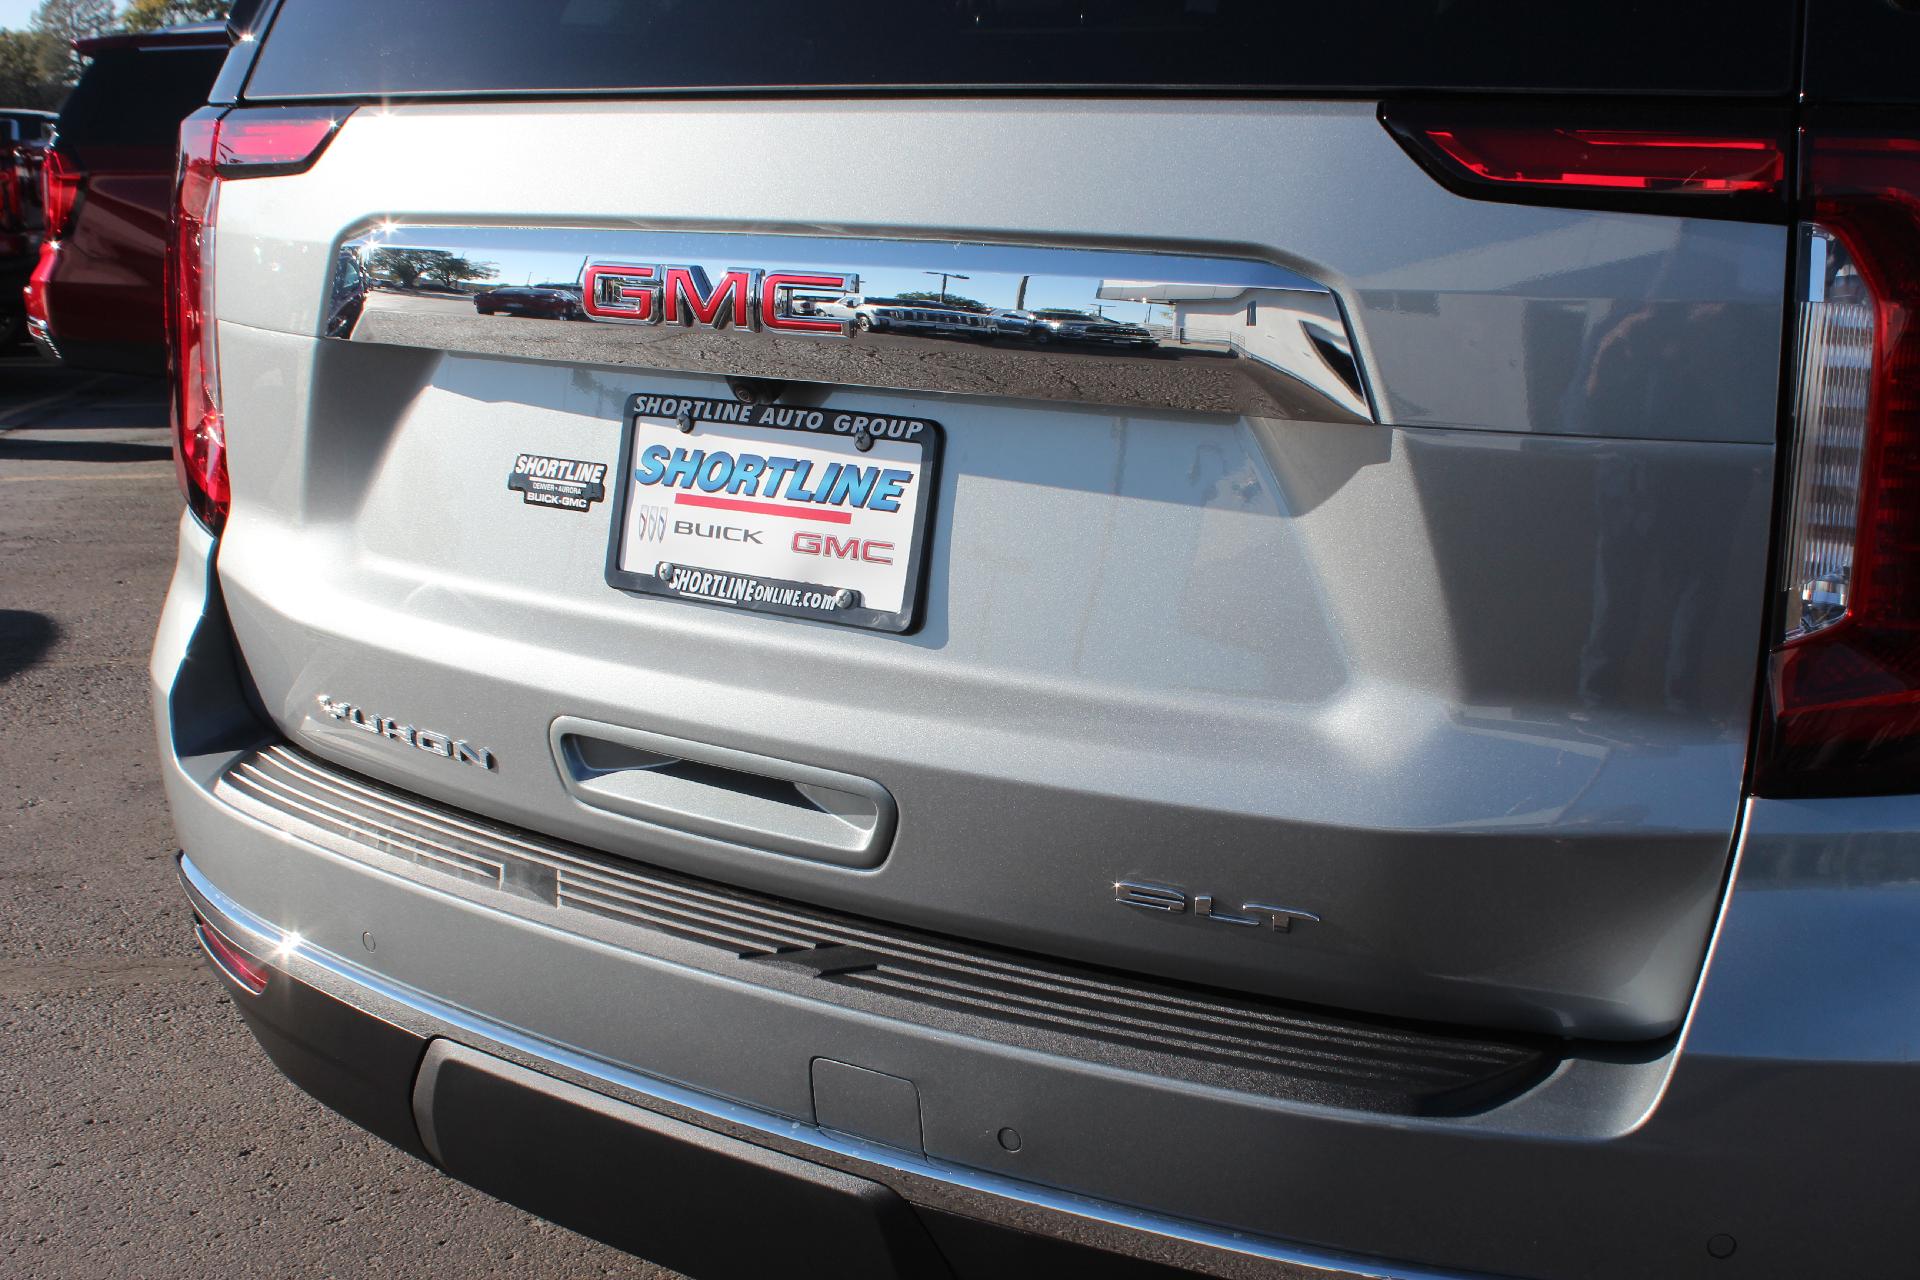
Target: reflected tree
{"x":454,"y":271}
{"x":410,"y":268}
{"x":954,"y":300}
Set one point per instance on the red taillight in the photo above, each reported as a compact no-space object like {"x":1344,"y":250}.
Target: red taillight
{"x":251,"y":974}
{"x":38,"y":323}
{"x":1843,"y":688}
{"x":1603,"y":157}
{"x":199,"y":431}
{"x":215,"y":148}
{"x":60,"y":180}
{"x":1615,"y":159}
{"x":259,"y":140}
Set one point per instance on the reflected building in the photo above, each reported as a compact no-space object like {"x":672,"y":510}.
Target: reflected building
{"x":1296,"y":332}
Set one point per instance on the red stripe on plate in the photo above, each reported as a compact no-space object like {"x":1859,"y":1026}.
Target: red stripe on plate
{"x":763,"y":508}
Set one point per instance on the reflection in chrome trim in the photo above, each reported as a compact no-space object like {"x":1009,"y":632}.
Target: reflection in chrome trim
{"x":365,"y":989}
{"x":1145,"y":330}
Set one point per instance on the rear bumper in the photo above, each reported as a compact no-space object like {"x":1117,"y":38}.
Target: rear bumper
{"x":1781,"y":1120}
{"x":688,"y":1180}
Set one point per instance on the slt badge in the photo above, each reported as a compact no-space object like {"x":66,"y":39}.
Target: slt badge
{"x":1159,"y":897}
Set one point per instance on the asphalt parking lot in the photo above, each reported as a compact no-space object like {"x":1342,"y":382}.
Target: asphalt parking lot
{"x":141,"y":1132}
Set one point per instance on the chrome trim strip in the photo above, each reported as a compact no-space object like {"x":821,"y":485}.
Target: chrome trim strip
{"x":1188,"y":334}
{"x":283,"y":947}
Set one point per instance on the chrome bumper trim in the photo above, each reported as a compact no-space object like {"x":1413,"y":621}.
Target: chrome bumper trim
{"x":355,"y":985}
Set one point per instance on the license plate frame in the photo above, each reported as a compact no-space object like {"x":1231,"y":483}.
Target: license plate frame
{"x":830,"y":432}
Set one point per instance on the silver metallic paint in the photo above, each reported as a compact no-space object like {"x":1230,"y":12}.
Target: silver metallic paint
{"x":1491,"y":697}
{"x":1480,"y":698}
{"x":1133,"y":1230}
{"x":1671,"y":323}
{"x":1623,"y":1162}
{"x":1633,"y":1160}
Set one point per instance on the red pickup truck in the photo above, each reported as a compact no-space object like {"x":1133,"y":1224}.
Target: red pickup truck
{"x":95,"y":298}
{"x":23,"y":135}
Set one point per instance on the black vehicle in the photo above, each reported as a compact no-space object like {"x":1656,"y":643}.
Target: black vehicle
{"x":1081,"y":326}
{"x":552,"y":301}
{"x":25,"y":123}
{"x":28,"y":133}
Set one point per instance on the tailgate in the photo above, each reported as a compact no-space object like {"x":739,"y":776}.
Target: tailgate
{"x":1379,"y":630}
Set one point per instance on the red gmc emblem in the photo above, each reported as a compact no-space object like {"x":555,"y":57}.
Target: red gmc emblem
{"x":745,"y":298}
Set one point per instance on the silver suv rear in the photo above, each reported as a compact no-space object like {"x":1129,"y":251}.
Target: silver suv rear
{"x":1389,"y":754}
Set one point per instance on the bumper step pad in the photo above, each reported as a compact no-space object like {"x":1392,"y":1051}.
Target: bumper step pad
{"x":1206,"y":1036}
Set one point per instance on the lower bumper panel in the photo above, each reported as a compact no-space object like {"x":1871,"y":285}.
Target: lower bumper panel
{"x":353,"y":1062}
{"x":696,"y":1201}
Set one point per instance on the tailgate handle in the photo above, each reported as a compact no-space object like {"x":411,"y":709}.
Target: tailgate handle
{"x":758,"y":801}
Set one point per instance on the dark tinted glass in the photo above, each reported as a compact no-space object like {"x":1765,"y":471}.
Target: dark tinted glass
{"x":23,"y":127}
{"x":137,"y":98}
{"x":360,"y":47}
{"x":1863,"y":50}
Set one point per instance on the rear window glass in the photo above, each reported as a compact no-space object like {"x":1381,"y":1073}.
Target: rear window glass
{"x":138,"y":97}
{"x":321,"y":48}
{"x":1862,"y":51}
{"x":23,"y":128}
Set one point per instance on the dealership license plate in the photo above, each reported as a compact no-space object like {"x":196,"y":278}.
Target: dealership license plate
{"x":809,"y":513}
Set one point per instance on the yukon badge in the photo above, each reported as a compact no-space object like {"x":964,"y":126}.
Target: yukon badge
{"x":744,"y":298}
{"x":446,"y":746}
{"x":1173,"y":902}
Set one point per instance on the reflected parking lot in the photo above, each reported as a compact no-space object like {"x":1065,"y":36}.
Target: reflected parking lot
{"x":1206,"y":335}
